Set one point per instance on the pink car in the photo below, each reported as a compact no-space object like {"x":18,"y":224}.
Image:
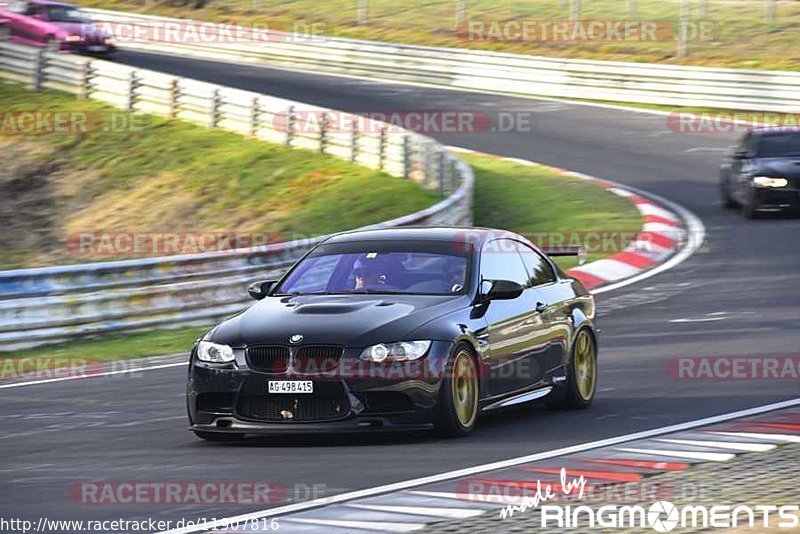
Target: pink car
{"x":57,"y":25}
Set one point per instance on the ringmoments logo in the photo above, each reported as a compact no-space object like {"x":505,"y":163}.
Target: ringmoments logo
{"x":664,"y":516}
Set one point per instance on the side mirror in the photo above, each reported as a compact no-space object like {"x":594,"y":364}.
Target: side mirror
{"x":259,"y":290}
{"x":504,"y":290}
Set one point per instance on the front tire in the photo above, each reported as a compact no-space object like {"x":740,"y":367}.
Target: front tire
{"x":458,"y":395}
{"x":578,"y":391}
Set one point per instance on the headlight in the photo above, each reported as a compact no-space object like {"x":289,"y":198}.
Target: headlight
{"x":766,"y":181}
{"x":73,"y":38}
{"x":108,"y":40}
{"x":396,"y":352}
{"x":214,"y":352}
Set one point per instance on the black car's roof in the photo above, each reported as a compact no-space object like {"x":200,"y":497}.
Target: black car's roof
{"x":453,"y":234}
{"x":775,"y":130}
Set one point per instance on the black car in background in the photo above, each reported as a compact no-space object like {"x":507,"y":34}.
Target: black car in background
{"x":397,"y":329}
{"x":762,"y":172}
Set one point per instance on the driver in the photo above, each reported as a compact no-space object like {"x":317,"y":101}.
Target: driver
{"x":369,"y":274}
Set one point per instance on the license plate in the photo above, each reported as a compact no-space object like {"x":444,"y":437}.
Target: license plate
{"x":290,"y":386}
{"x":96,"y":48}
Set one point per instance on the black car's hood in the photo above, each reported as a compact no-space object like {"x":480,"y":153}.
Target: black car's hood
{"x":349,"y":320}
{"x":778,"y":167}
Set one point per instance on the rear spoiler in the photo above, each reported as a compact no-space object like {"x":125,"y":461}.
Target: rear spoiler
{"x":580,"y":252}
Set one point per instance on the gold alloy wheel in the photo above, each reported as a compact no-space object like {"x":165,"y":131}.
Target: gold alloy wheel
{"x":465,"y":388}
{"x":585,"y":365}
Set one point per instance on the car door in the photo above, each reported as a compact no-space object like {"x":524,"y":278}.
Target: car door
{"x":515,"y":336}
{"x":551,"y":299}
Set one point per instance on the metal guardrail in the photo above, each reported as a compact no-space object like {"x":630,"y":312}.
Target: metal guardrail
{"x":49,"y":304}
{"x":740,"y":89}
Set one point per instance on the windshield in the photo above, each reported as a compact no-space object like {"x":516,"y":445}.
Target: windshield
{"x":431,"y":268}
{"x":779,"y":146}
{"x":66,"y":14}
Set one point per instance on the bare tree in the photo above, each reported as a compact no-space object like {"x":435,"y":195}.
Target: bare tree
{"x":461,"y":12}
{"x":577,"y":7}
{"x":362,"y":11}
{"x":770,"y":10}
{"x":683,"y":29}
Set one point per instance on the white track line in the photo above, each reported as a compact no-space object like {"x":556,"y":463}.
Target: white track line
{"x":379,"y":526}
{"x":689,"y":455}
{"x":729,"y":445}
{"x":91,"y":375}
{"x":778,"y":438}
{"x":433,"y":511}
{"x":459,"y":473}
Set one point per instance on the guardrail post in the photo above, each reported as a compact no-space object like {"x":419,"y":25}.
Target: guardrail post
{"x":406,"y":156}
{"x":289,"y":125}
{"x":354,"y":143}
{"x":214,"y":111}
{"x":382,"y":149}
{"x":174,"y":96}
{"x":323,"y":132}
{"x":440,"y":171}
{"x":453,"y":175}
{"x":132,"y":85}
{"x":86,"y":81}
{"x":38,"y":70}
{"x":255,"y":117}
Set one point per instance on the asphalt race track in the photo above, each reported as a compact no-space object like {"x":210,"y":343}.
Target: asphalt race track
{"x":737,"y":296}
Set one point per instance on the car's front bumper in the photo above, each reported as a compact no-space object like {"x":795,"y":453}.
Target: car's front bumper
{"x":776,"y":198}
{"x":355,"y":396}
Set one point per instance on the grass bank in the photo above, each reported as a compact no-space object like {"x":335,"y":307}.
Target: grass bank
{"x":123,"y":174}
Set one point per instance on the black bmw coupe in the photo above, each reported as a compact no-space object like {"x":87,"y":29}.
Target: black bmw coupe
{"x":762,"y":172}
{"x":408,"y":328}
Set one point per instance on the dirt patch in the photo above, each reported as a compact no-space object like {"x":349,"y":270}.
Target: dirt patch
{"x":28,"y":202}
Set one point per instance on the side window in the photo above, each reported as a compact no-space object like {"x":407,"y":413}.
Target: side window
{"x":30,"y":10}
{"x":501,"y":261}
{"x":538,"y":268}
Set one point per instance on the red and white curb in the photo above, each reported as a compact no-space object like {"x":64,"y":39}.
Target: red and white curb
{"x":415,"y":504}
{"x":670,"y":234}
